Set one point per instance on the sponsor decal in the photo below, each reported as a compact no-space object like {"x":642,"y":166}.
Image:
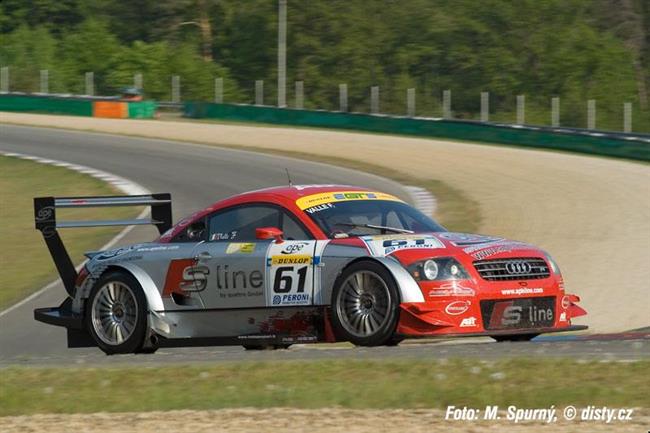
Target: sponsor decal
{"x":114,"y":253}
{"x":563,"y":317}
{"x":319,"y":208}
{"x":158,"y":248}
{"x":224,"y":236}
{"x":457,"y":307}
{"x":45,"y":214}
{"x":451,"y":289}
{"x":296,"y":259}
{"x":464,"y":239}
{"x":313,"y":200}
{"x":385,"y":245}
{"x":290,"y":273}
{"x":185,"y":276}
{"x":291,"y":299}
{"x":507,"y":314}
{"x":522,"y":291}
{"x":228,"y":279}
{"x":240,"y":247}
{"x":294,"y":247}
{"x":566,"y":302}
{"x":483,"y":250}
{"x":468,"y":322}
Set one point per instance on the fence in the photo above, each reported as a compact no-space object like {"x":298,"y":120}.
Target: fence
{"x":410,"y":101}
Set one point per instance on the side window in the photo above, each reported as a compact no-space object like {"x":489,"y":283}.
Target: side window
{"x":195,"y":232}
{"x":239,"y":224}
{"x":292,"y":230}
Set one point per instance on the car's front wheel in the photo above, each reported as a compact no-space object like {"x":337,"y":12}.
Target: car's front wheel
{"x":116,"y":313}
{"x":365,"y":305}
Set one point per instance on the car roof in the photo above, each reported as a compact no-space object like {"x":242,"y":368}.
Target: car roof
{"x":285,"y":196}
{"x":294,"y":192}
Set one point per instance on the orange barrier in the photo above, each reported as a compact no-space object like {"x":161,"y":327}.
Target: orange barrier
{"x":113,"y":109}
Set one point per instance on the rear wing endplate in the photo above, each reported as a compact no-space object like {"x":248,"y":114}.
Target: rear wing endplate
{"x":46,"y":222}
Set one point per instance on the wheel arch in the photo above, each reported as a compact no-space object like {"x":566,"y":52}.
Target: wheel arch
{"x":407,"y":287}
{"x":151,"y":292}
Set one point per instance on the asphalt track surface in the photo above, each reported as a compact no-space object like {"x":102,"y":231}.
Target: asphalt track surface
{"x":197,"y":176}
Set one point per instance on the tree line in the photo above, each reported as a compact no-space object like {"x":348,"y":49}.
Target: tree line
{"x":573,"y":49}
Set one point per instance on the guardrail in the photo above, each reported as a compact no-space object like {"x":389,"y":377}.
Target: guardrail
{"x":613,"y":144}
{"x":77,"y":105}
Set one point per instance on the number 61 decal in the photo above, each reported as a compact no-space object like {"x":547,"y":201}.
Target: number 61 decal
{"x":284,"y":280}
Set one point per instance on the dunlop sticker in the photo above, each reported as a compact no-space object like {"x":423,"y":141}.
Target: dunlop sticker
{"x":295,"y":259}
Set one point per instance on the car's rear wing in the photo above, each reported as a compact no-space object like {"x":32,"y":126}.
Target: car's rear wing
{"x":46,"y":222}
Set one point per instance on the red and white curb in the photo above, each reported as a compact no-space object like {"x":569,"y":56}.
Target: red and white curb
{"x":124,"y":185}
{"x":422,"y":199}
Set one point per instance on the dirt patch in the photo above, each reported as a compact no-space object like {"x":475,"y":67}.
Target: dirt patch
{"x":293,"y":420}
{"x":592,"y":214}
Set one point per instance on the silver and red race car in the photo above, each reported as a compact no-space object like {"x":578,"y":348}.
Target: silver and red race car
{"x":299,"y":264}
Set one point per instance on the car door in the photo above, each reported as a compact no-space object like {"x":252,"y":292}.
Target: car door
{"x":246,"y":272}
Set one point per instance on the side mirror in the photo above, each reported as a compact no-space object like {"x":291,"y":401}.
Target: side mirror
{"x":265,"y":233}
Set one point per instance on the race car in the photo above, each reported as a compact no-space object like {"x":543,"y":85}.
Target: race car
{"x":299,"y":264}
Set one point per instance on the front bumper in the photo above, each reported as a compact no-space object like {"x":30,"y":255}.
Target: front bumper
{"x":466,"y":316}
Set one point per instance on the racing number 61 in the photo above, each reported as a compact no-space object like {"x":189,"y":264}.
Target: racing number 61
{"x":283,"y":282}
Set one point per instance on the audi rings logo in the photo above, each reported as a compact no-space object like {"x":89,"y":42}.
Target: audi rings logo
{"x":518,"y":268}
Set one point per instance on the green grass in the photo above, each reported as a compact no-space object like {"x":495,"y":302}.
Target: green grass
{"x":315,"y":384}
{"x":25,"y":264}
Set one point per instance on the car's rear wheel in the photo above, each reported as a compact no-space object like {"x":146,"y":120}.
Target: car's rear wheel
{"x":365,"y":305}
{"x":514,"y":338}
{"x":116,"y":313}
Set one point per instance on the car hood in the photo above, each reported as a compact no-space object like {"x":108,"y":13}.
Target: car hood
{"x":408,"y":248}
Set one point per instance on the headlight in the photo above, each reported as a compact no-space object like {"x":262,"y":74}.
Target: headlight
{"x":430,"y":270}
{"x":445,"y":268}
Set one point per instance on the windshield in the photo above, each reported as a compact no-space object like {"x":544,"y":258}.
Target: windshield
{"x":370,"y":217}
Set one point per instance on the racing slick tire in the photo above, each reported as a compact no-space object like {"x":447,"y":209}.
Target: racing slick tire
{"x":365,"y":305}
{"x":116,"y":314}
{"x":514,"y":338}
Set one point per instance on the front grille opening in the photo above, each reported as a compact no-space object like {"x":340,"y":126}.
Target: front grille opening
{"x":520,"y":268}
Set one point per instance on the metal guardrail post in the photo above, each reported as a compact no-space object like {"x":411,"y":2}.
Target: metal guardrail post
{"x":410,"y":102}
{"x":176,"y":89}
{"x":627,"y":117}
{"x":374,"y":99}
{"x":45,"y":85}
{"x":4,"y":79}
{"x":521,"y":109}
{"x":591,"y":114}
{"x":343,"y":97}
{"x":259,"y":92}
{"x":137,"y":81}
{"x":90,"y":83}
{"x":446,"y":104}
{"x":300,"y":94}
{"x":218,"y":90}
{"x":555,"y":112}
{"x":485,"y":106}
{"x":282,"y":53}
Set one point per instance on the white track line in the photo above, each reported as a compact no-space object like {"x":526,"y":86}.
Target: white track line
{"x":125,"y":185}
{"x":423,"y":199}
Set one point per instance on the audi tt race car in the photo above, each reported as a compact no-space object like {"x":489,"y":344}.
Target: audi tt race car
{"x":299,"y":264}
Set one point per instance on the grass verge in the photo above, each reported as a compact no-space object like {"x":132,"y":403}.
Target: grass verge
{"x":315,"y":384}
{"x":25,"y":262}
